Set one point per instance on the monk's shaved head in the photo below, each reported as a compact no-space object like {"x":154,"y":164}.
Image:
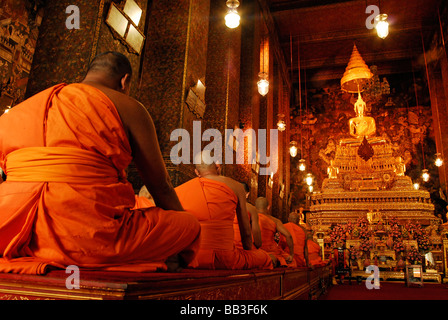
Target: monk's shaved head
{"x":262,"y":204}
{"x":204,"y":162}
{"x":114,"y":64}
{"x":293,"y":217}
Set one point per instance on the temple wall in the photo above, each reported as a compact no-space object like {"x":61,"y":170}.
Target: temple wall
{"x":19,"y":29}
{"x":186,"y":41}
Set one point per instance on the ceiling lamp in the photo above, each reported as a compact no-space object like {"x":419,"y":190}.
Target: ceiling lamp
{"x":293,"y":148}
{"x":302,"y":166}
{"x":382,"y":26}
{"x":356,"y":74}
{"x":425,"y":175}
{"x":439,"y":160}
{"x":263,"y":84}
{"x":309,"y":179}
{"x":232,"y":17}
{"x":281,"y":124}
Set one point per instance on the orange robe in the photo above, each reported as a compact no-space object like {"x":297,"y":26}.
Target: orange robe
{"x":314,"y":257}
{"x":66,"y":200}
{"x":143,"y":202}
{"x":214,"y":204}
{"x":268,"y":230}
{"x":298,"y":237}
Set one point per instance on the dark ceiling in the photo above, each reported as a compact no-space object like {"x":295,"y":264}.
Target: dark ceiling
{"x":325,"y":31}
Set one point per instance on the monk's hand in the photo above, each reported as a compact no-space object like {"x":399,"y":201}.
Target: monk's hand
{"x":289,"y":258}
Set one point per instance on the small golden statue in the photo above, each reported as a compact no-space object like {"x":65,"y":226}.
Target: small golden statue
{"x":361,"y":126}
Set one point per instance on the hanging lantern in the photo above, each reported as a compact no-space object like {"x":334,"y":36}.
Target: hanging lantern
{"x":382,"y":26}
{"x":425,"y":175}
{"x":293,"y":148}
{"x":281,"y":124}
{"x":310,"y":188}
{"x":232,"y":17}
{"x":309,"y":179}
{"x":416,"y":186}
{"x":302,"y":166}
{"x":263,"y":84}
{"x":439,"y":160}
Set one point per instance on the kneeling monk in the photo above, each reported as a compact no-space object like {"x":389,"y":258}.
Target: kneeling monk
{"x":215,"y":200}
{"x":298,"y":234}
{"x":66,"y":200}
{"x":269,"y":226}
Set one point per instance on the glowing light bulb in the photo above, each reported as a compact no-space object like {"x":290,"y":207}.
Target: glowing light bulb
{"x":309,"y":179}
{"x":302,"y":166}
{"x":382,"y":26}
{"x":439,"y":160}
{"x":293,"y":149}
{"x":232,"y":18}
{"x":425,"y":175}
{"x":263,"y":84}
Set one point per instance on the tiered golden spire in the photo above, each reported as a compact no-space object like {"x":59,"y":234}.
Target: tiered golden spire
{"x":356,"y":74}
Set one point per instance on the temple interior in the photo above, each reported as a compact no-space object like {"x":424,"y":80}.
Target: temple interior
{"x":318,"y":109}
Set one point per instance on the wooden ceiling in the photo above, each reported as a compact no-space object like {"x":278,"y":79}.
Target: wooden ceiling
{"x":325,"y":31}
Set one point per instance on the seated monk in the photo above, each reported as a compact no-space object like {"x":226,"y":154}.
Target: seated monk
{"x":269,"y":227}
{"x":215,"y":200}
{"x":313,"y":249}
{"x":66,"y":200}
{"x":298,"y":234}
{"x":253,"y":218}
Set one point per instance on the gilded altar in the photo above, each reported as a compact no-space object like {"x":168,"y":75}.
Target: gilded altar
{"x":368,"y":206}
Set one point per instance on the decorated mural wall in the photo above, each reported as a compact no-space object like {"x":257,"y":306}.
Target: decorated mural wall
{"x":19,"y":29}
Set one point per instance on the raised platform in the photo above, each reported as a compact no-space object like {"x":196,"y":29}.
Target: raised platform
{"x":278,"y":284}
{"x":398,"y":276}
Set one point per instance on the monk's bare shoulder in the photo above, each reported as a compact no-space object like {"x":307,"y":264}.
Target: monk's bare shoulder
{"x":129,"y":109}
{"x":234,"y":185}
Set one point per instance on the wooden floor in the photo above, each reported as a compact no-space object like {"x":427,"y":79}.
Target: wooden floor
{"x":278,"y":284}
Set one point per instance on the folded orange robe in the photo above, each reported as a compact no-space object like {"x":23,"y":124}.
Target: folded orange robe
{"x":143,"y":202}
{"x":314,"y":257}
{"x":268,"y":230}
{"x":214,"y":204}
{"x":298,"y":237}
{"x":66,"y":200}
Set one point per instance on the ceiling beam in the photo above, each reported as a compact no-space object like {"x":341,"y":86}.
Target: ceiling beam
{"x":338,"y":35}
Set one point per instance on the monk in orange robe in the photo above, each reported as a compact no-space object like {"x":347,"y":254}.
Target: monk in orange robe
{"x":254,"y":223}
{"x":66,"y":200}
{"x":313,"y":249}
{"x":216,"y":200}
{"x":269,"y":227}
{"x":298,"y":234}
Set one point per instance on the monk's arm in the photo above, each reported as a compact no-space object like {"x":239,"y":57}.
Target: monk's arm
{"x":305,"y":251}
{"x":256,"y":231}
{"x":242,"y":216}
{"x":289,"y":241}
{"x":148,"y":158}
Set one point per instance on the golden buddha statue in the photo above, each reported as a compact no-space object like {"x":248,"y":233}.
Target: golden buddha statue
{"x":361,"y":126}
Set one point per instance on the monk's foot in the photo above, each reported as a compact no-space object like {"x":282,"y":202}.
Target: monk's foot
{"x":173,"y":264}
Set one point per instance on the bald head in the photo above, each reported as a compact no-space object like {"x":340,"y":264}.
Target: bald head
{"x":293,"y":217}
{"x":113,"y":66}
{"x":262,"y":204}
{"x":204,"y":163}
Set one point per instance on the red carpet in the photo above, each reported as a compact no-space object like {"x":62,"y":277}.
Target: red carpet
{"x":387,"y":291}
